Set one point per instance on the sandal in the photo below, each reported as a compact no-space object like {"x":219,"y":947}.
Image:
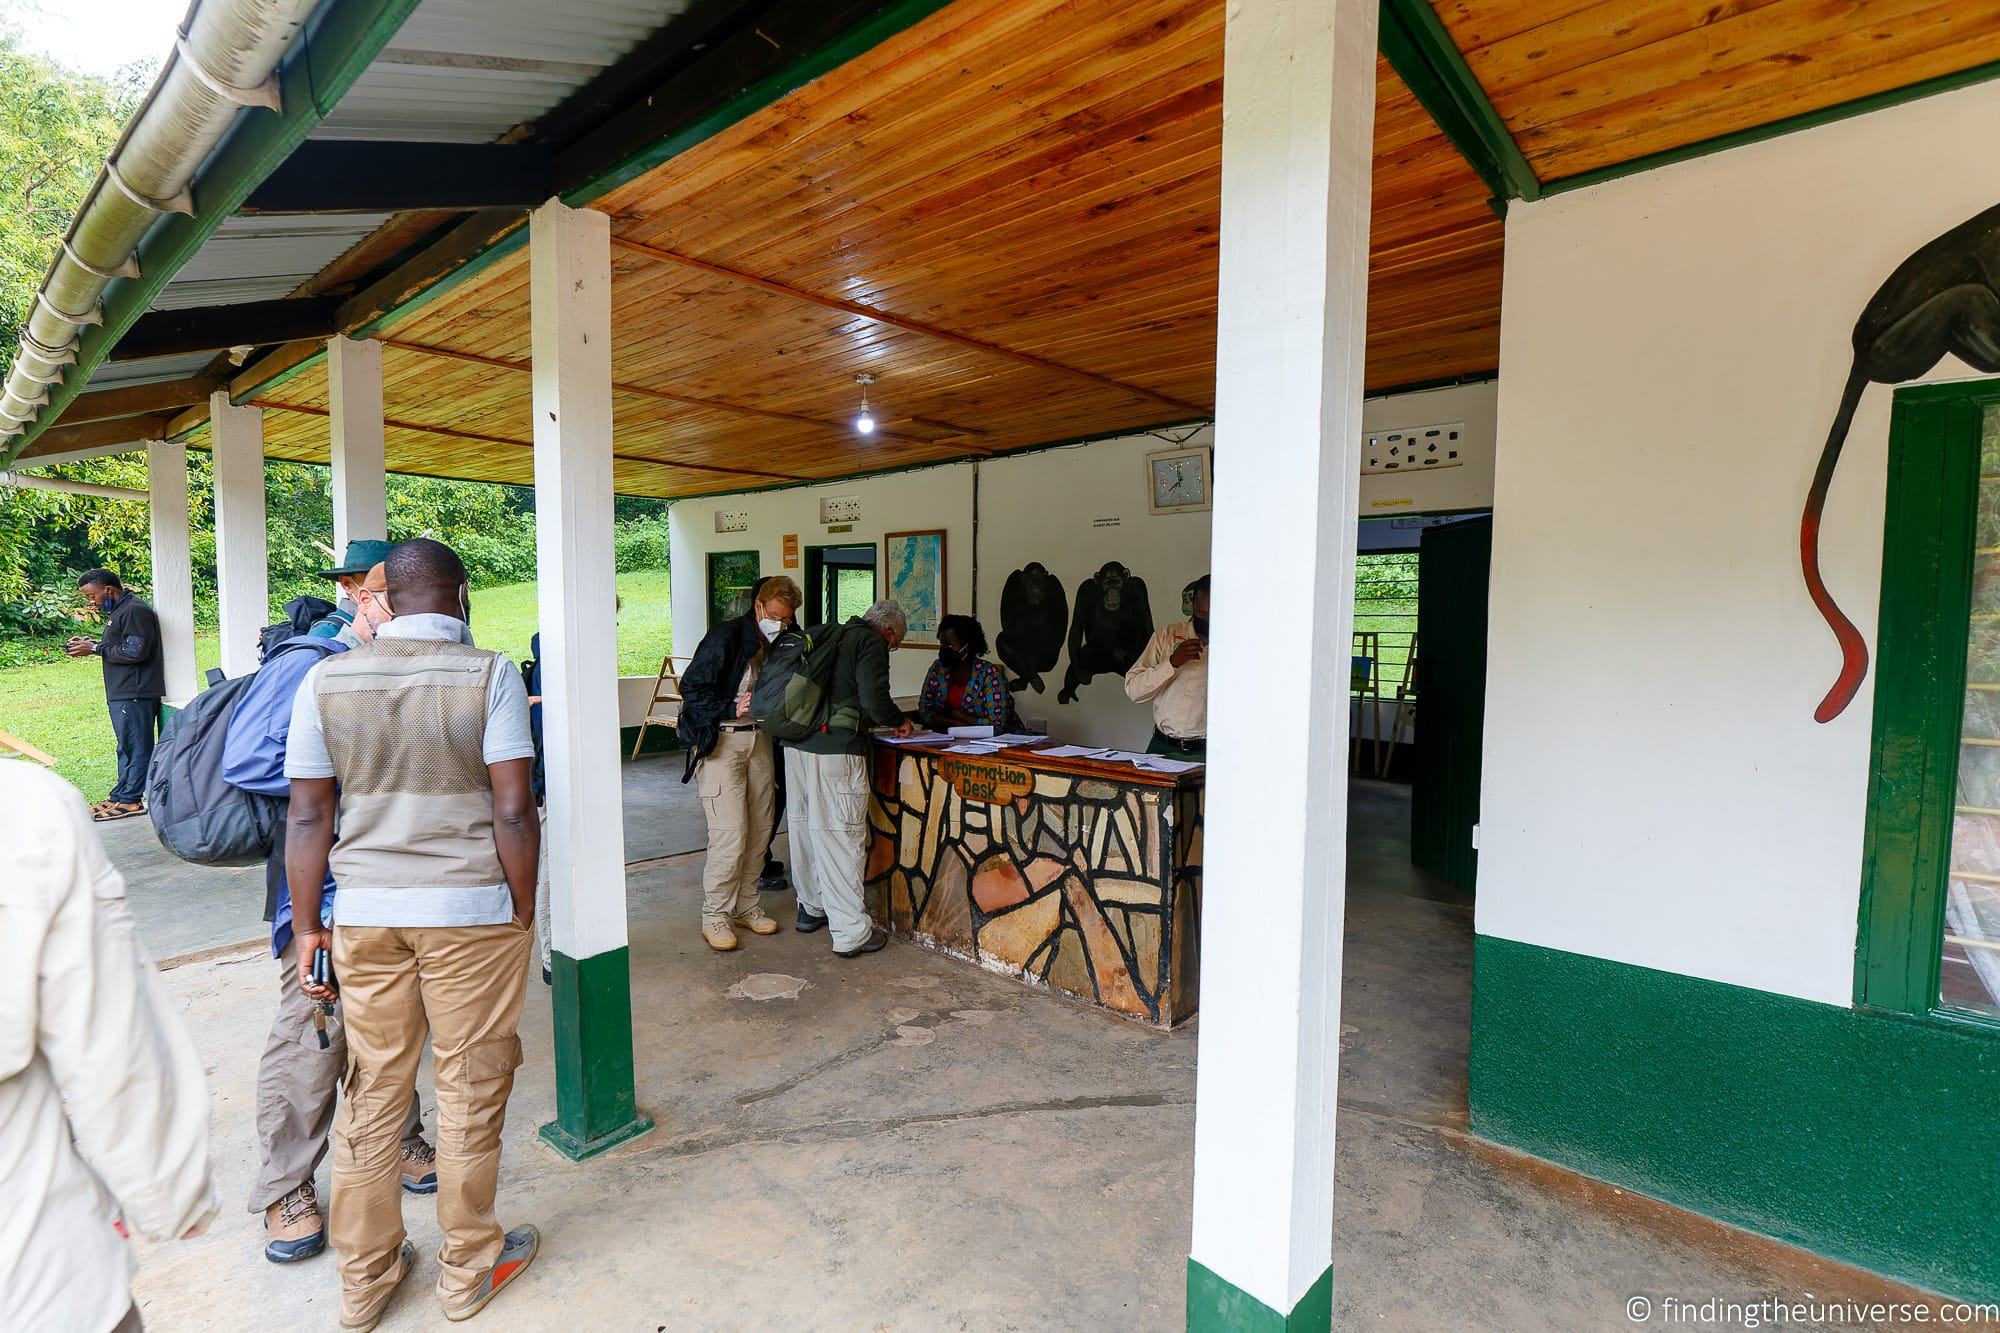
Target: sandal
{"x":105,"y":811}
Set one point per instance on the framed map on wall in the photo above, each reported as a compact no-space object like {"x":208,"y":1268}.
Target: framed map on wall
{"x":914,"y":565}
{"x":732,"y":584}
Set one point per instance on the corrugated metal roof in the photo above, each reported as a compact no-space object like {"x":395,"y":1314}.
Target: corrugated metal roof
{"x":467,"y":71}
{"x":115,"y":373}
{"x":261,"y":259}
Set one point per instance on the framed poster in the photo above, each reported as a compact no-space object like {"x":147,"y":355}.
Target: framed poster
{"x":732,"y":584}
{"x":914,"y":562}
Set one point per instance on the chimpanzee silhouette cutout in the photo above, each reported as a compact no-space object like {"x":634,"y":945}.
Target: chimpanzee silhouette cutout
{"x":1034,"y":611}
{"x":1943,"y":299}
{"x":1112,"y":623}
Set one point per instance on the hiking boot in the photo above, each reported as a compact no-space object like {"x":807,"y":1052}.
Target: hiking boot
{"x":294,"y":1227}
{"x":877,"y":937}
{"x":758,"y":922}
{"x":408,"y":1256}
{"x":419,"y":1166}
{"x":809,"y":922}
{"x":719,"y":937}
{"x":522,"y":1245}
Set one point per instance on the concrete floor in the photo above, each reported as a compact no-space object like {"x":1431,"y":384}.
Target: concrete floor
{"x":911,"y":1143}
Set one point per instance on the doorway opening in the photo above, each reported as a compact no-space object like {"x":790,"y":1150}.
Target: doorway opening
{"x":840,"y":583}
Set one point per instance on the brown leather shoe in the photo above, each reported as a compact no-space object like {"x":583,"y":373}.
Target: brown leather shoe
{"x":720,"y":938}
{"x":419,"y":1166}
{"x":757,"y":921}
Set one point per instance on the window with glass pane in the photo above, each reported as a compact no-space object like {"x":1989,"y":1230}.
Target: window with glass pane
{"x":1969,"y":966}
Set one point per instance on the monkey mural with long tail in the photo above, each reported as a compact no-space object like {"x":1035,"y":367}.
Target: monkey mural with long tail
{"x":1943,"y":299}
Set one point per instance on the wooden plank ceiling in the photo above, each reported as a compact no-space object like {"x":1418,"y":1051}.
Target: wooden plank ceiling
{"x":1025,"y":190}
{"x":1584,"y":85}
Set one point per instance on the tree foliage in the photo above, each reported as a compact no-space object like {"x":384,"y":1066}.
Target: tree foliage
{"x":57,"y":126}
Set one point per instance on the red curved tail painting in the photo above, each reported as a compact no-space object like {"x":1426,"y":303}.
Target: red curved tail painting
{"x":1944,"y":299}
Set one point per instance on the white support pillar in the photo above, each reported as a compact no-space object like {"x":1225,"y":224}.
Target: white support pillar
{"x":569,"y":284}
{"x":1298,"y":116}
{"x":173,"y":571}
{"x":354,"y":400}
{"x":242,"y":574}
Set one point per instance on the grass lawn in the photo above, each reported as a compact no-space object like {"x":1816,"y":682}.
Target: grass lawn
{"x":59,"y":706}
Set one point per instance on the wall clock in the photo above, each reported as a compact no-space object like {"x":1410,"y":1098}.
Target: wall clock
{"x":1178,"y":481}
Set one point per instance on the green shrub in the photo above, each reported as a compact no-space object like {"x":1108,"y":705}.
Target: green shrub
{"x":641,"y":543}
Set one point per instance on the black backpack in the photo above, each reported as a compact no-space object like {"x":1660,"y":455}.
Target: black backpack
{"x":790,"y":700}
{"x":301,"y":614}
{"x":198,"y":816}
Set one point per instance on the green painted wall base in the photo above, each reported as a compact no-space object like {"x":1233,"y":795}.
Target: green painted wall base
{"x":659,"y":740}
{"x":1858,"y":1134}
{"x":596,"y":1104}
{"x":1214,"y":1304}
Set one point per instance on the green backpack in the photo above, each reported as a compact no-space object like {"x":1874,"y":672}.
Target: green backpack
{"x":790,"y":700}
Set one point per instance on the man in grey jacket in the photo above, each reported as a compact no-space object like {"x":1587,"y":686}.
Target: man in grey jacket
{"x":826,"y":783}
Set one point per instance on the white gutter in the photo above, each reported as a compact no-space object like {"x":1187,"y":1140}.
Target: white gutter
{"x":22,"y":479}
{"x":225,"y":54}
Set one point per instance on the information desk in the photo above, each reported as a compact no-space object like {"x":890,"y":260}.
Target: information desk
{"x":1080,"y":875}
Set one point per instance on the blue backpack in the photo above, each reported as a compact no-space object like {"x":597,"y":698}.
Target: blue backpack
{"x":198,"y":816}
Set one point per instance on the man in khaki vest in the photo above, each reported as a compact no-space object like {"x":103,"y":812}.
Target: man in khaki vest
{"x":432,"y":837}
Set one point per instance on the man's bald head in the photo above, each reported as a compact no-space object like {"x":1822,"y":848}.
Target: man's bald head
{"x":425,"y":576}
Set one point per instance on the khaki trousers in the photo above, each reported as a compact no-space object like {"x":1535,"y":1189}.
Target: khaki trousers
{"x":466,"y":984}
{"x":827,"y":800}
{"x":739,"y":795}
{"x":296,"y":1087}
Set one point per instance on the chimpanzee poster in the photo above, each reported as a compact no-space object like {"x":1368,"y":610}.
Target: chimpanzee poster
{"x":1034,"y":611}
{"x":1113,"y":621}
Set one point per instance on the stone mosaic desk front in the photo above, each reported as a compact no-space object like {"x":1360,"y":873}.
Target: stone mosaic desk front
{"x":1079,"y":876}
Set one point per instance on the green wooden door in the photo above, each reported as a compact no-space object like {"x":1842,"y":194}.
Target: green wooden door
{"x":1452,"y":568}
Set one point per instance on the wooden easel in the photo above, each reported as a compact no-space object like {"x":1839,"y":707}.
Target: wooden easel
{"x":666,"y":690}
{"x":1406,"y":709}
{"x":25,"y":750}
{"x":1365,"y":693}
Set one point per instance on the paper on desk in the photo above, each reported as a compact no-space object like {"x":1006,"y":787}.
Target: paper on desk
{"x":982,"y":732}
{"x":973,"y":747}
{"x":914,"y":738}
{"x":1071,"y":752}
{"x":1159,"y":763}
{"x":1019,"y":738}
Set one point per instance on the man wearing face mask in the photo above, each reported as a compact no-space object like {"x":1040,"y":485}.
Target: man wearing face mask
{"x":297,"y":1080}
{"x":731,"y":761}
{"x":1172,"y":675}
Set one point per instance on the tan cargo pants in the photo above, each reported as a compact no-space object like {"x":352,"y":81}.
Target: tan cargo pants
{"x":738,"y":785}
{"x":296,"y":1086}
{"x":466,"y":985}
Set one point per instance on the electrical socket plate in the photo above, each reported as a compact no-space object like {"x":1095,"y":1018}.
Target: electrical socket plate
{"x":732,"y":520}
{"x":1413,"y":449}
{"x":839,"y":508}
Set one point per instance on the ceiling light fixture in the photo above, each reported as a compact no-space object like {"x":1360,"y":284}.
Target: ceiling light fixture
{"x":865,"y":423}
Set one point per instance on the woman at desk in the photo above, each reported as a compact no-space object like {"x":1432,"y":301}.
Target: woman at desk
{"x":963,"y":689}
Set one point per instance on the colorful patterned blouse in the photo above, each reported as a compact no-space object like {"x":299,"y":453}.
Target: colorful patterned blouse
{"x":988,"y":701}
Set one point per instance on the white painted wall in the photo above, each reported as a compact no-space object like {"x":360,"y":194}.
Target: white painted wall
{"x":1434,"y":490}
{"x":1673,"y":346}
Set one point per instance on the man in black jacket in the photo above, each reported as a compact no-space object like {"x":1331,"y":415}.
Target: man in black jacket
{"x":135,"y":680}
{"x":732,"y":761}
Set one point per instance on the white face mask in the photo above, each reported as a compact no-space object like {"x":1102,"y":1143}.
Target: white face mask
{"x":770,"y":628}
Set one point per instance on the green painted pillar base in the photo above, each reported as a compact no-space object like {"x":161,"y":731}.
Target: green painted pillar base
{"x":596,"y":1104}
{"x":1214,"y":1304}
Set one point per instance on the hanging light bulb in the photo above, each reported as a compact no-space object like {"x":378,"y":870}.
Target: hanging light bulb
{"x":865,"y":423}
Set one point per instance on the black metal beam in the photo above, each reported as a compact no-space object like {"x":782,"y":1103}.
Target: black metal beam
{"x":342,"y":176}
{"x":217,"y":328}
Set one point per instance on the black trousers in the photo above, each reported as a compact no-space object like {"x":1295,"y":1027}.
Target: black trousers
{"x":135,"y":722}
